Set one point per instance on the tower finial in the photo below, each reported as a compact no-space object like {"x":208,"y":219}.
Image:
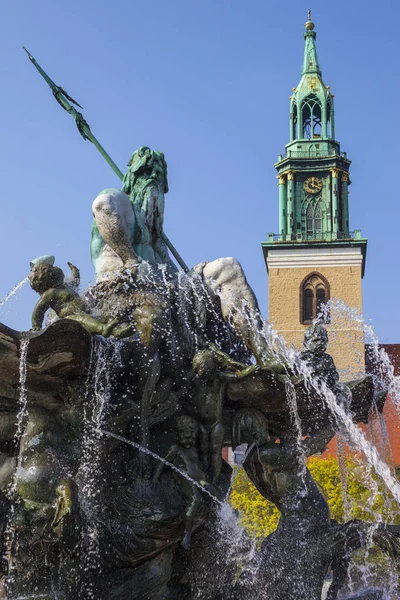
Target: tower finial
{"x":309,"y":25}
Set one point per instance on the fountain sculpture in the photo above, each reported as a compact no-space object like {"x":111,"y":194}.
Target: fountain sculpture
{"x":113,"y":419}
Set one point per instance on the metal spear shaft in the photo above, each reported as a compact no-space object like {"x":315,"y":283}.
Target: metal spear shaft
{"x":83,"y":127}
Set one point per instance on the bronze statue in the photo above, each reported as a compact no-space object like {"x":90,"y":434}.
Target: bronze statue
{"x":49,"y":282}
{"x":322,"y":365}
{"x":213,"y":369}
{"x":290,"y":485}
{"x":184,"y":455}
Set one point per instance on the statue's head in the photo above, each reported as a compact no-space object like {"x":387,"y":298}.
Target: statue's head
{"x":250,"y":426}
{"x":316,"y":338}
{"x":149,"y":162}
{"x":140,"y":154}
{"x":205,"y":364}
{"x":187,"y":430}
{"x":43,"y":277}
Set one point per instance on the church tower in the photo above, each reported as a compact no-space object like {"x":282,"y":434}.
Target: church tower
{"x":315,"y":257}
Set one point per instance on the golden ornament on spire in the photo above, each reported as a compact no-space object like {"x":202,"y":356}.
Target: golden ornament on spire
{"x":309,"y":25}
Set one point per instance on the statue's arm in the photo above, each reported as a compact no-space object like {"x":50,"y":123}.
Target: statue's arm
{"x":41,"y":308}
{"x":252,"y":370}
{"x":239,"y":375}
{"x":278,"y":457}
{"x":225,"y":362}
{"x":75,"y":275}
{"x":318,"y":441}
{"x":187,"y":385}
{"x":228,"y":377}
{"x":331,"y":368}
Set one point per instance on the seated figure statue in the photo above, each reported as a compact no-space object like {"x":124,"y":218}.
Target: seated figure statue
{"x":127,"y":229}
{"x":128,"y":223}
{"x":49,"y":282}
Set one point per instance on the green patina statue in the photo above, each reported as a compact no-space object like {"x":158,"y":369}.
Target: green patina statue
{"x":146,"y":183}
{"x":135,"y":231}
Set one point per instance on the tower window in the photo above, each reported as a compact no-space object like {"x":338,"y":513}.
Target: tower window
{"x":317,"y":218}
{"x":328,"y":119}
{"x":294,"y":122}
{"x":311,"y":111}
{"x":314,"y":294}
{"x":310,"y":220}
{"x":314,"y":219}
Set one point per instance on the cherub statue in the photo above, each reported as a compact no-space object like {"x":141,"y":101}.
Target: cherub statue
{"x":213,"y":369}
{"x":48,"y":281}
{"x":184,"y":455}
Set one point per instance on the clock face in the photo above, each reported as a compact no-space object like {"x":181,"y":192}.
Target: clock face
{"x":313,"y":185}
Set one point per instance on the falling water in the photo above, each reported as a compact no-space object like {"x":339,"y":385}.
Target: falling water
{"x":14,"y":291}
{"x":385,"y":378}
{"x":236,"y":473}
{"x":358,"y":440}
{"x":105,"y":357}
{"x":343,"y":475}
{"x":356,"y":435}
{"x":235,"y":548}
{"x":9,"y":534}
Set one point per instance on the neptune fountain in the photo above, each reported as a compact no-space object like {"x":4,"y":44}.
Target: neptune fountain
{"x":115,"y":409}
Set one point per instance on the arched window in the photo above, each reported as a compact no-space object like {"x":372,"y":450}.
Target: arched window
{"x":311,"y":111}
{"x":317,"y":217}
{"x":314,"y":219}
{"x":294,"y":121}
{"x":328,"y":119}
{"x":310,"y":220}
{"x":314,"y":294}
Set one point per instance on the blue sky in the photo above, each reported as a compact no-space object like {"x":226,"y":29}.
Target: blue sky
{"x":208,"y":83}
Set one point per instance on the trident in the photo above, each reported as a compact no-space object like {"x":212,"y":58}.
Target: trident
{"x":66,"y":102}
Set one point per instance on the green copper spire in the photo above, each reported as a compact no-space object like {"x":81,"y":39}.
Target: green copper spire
{"x":313,"y":174}
{"x":311,"y":105}
{"x":310,"y":64}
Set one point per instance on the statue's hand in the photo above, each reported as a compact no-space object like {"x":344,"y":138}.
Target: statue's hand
{"x":132,"y":266}
{"x":35,"y":328}
{"x":72,"y":267}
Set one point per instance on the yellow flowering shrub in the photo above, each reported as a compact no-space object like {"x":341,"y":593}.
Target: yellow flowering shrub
{"x":365,"y":498}
{"x":258,"y":516}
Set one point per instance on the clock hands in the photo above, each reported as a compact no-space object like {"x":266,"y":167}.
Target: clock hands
{"x":313,"y":185}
